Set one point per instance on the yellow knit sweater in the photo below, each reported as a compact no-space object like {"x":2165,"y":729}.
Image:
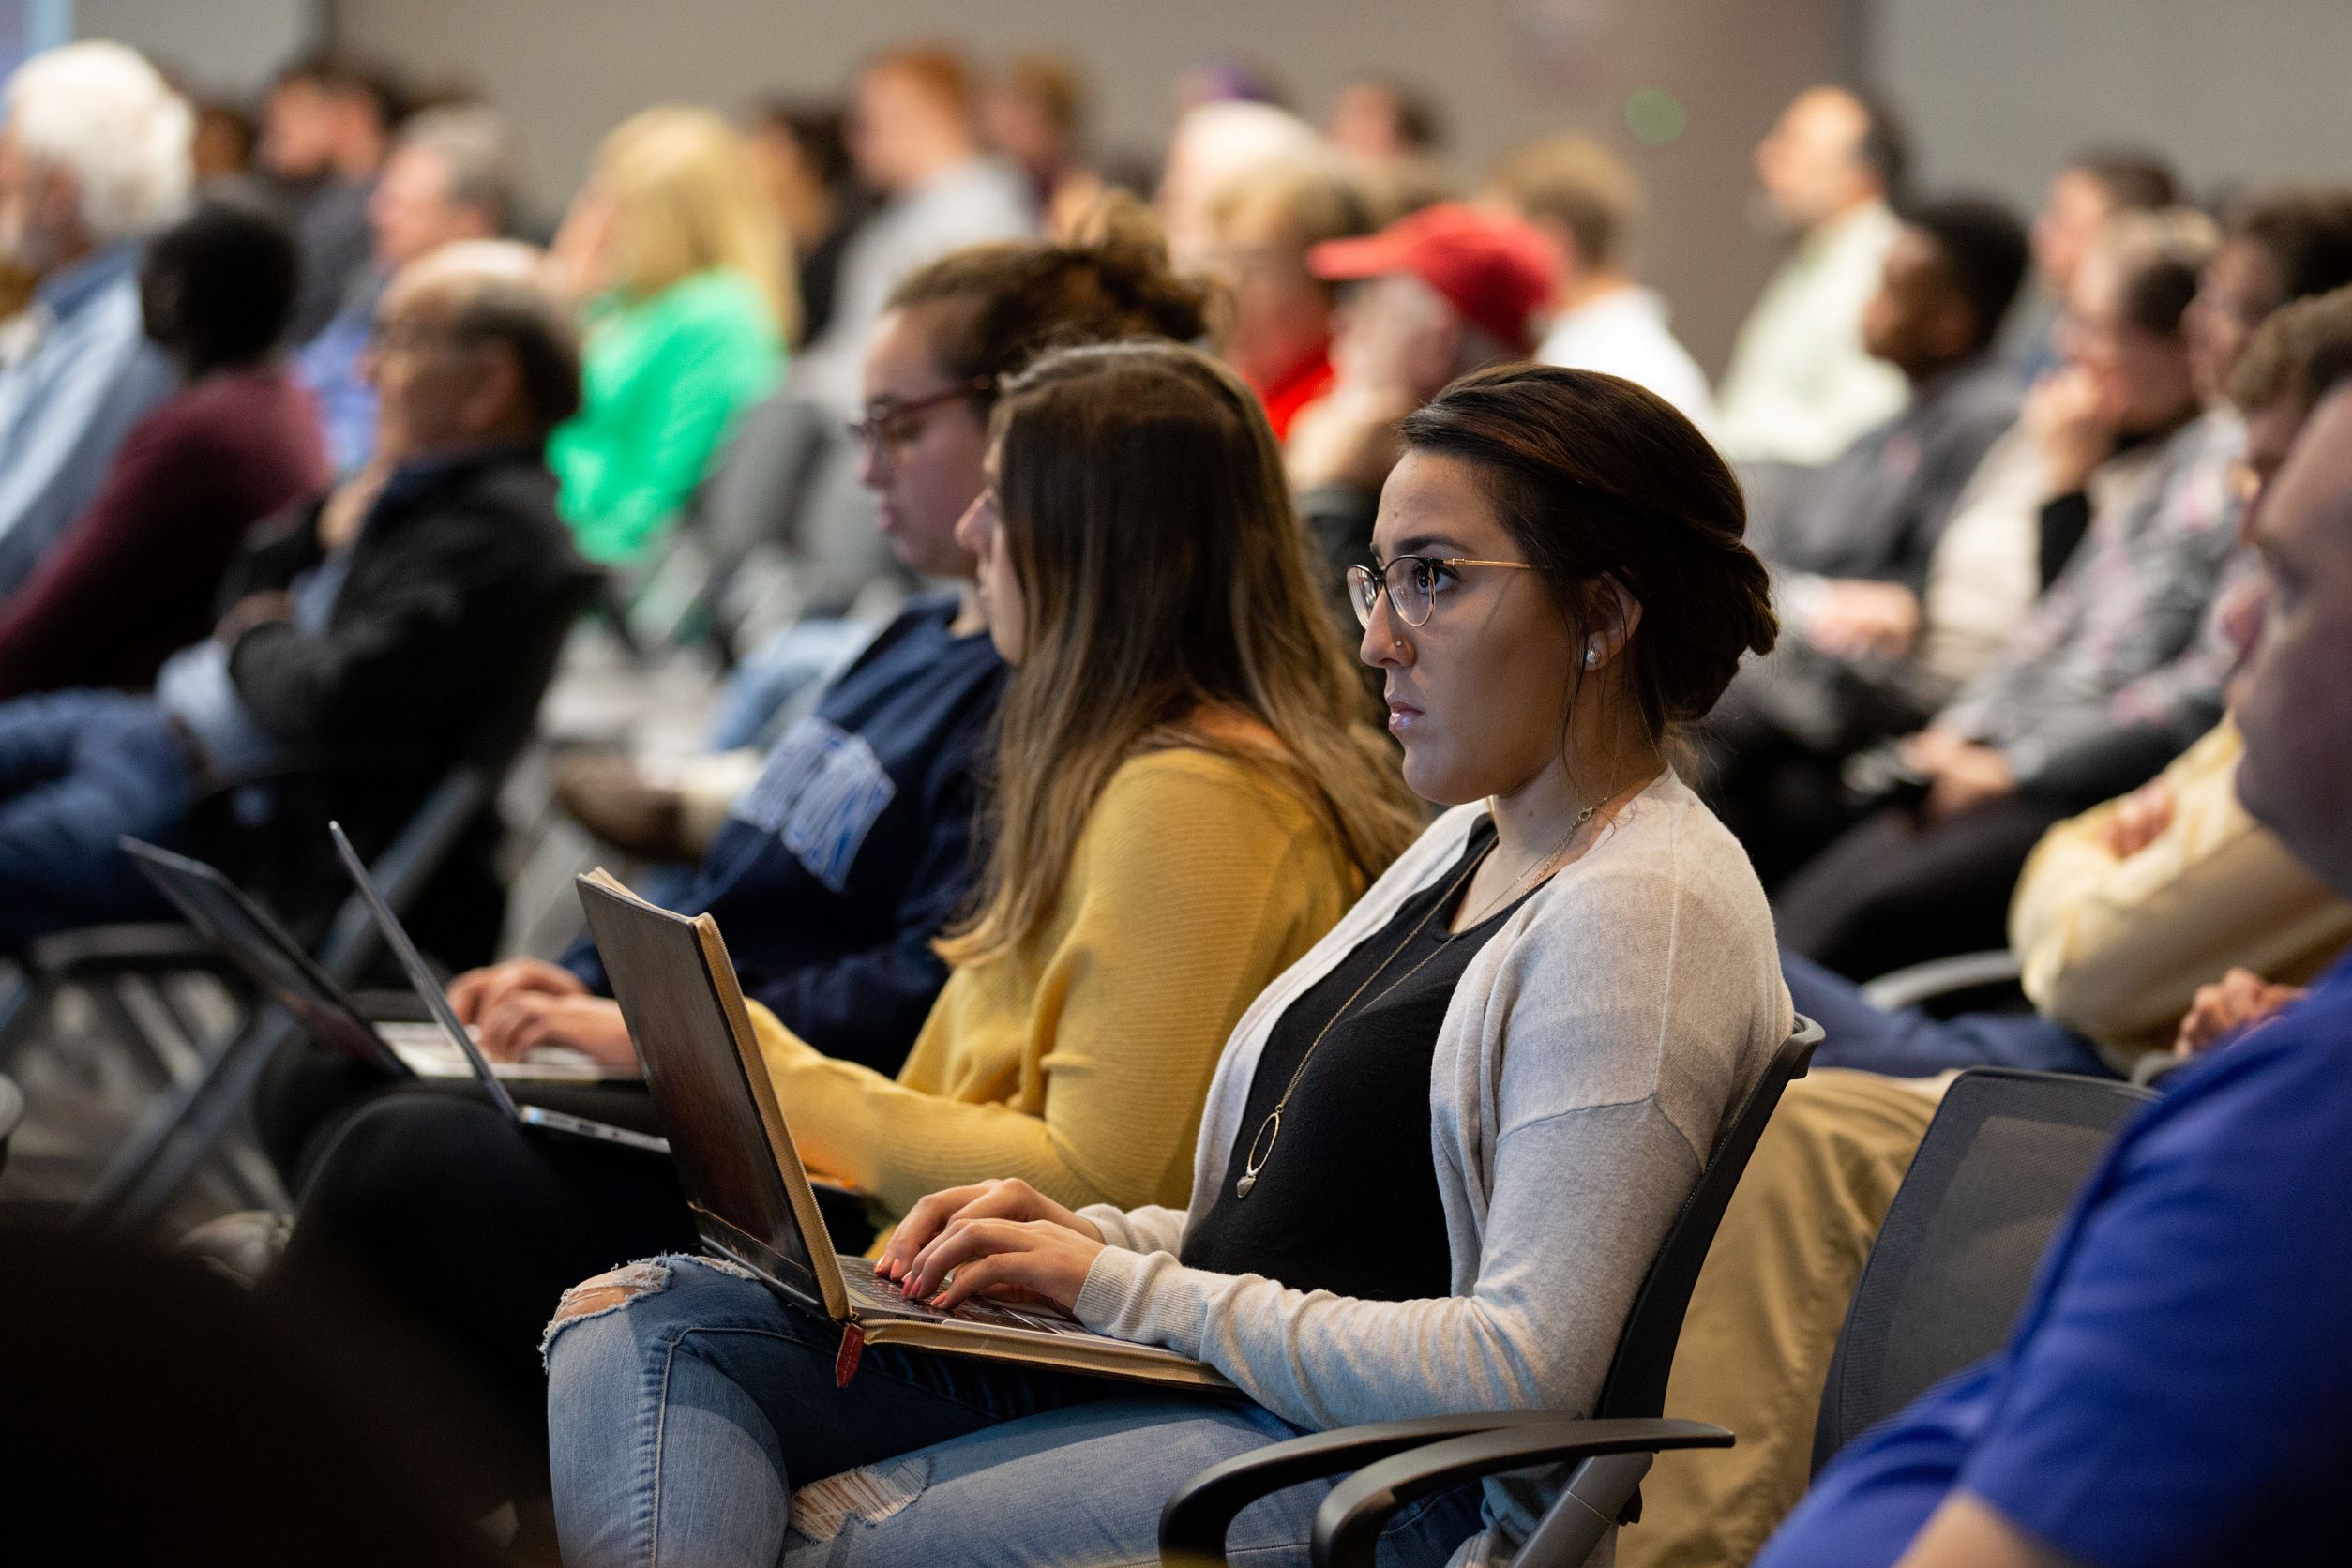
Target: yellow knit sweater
{"x":1079,"y":1062}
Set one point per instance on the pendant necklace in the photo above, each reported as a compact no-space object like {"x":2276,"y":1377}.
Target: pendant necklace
{"x":1261,"y":1147}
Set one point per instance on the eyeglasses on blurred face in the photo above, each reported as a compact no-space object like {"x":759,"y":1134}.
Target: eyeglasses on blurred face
{"x":890,"y":425}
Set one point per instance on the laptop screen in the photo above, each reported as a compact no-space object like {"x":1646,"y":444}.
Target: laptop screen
{"x":257,"y":945}
{"x":661,"y":978}
{"x":420,"y":979}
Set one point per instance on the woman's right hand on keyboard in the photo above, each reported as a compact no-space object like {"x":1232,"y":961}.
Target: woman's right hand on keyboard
{"x":932,"y":1217}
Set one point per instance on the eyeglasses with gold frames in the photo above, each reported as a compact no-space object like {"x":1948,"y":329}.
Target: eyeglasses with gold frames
{"x":1412,"y":584}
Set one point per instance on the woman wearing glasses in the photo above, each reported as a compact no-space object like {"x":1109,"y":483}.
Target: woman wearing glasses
{"x":1440,"y":1151}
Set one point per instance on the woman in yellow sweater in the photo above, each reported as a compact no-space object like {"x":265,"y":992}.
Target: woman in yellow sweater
{"x":1184,"y":798}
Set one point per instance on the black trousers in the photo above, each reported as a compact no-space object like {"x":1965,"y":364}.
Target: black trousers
{"x":432,"y":1239}
{"x":1890,"y":893}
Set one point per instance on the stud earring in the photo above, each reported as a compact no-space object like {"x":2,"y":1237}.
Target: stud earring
{"x":1592,"y":657}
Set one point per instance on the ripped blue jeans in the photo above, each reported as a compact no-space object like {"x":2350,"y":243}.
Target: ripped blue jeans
{"x":686,"y":1404}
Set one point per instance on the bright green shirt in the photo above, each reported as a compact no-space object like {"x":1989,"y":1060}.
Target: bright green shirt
{"x":662,"y":382}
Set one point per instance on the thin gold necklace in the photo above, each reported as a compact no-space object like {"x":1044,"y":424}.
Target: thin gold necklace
{"x":1270,"y":1131}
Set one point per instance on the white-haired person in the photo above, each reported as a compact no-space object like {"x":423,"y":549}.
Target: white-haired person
{"x":93,"y":159}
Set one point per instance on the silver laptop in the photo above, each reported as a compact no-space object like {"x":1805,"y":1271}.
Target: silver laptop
{"x":428,"y":991}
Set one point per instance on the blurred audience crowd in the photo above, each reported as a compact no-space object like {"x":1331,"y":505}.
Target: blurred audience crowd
{"x":325,"y":455}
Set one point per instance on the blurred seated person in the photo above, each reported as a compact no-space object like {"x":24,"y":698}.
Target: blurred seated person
{"x":451,"y":175}
{"x":133,"y":579}
{"x":2121,"y":668}
{"x":2123,"y":912}
{"x":93,"y":159}
{"x":1215,"y":141}
{"x":326,"y":129}
{"x":677,"y":262}
{"x":802,"y":153}
{"x":1800,"y":387}
{"x":1394,"y":136}
{"x":915,"y":136}
{"x":1449,"y":290}
{"x":221,"y":150}
{"x":1263,"y":221}
{"x":2097,"y":185}
{"x":1034,"y":115}
{"x":364,"y":627}
{"x":1874,"y":512}
{"x":1590,"y":205}
{"x":1852,"y":545}
{"x":2128,"y":604}
{"x":2175,"y":1389}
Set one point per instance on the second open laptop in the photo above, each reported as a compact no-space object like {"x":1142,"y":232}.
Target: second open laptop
{"x":247,"y":935}
{"x":428,"y":991}
{"x":752,"y":1196}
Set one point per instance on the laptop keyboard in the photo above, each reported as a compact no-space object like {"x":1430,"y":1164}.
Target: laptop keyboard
{"x":872,"y":1292}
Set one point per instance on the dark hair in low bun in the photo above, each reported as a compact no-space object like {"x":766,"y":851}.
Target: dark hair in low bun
{"x":1597,"y":477}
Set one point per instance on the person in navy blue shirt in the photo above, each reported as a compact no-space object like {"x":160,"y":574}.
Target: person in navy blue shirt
{"x":2179,"y":1388}
{"x":851,"y":849}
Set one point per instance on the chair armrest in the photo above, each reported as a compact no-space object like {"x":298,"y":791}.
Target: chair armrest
{"x":1348,"y":1525}
{"x":1193,"y":1525}
{"x":1908,"y":988}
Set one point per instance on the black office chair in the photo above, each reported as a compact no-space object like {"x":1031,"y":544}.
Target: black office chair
{"x":2001,"y":1161}
{"x":1610,"y":1451}
{"x":1957,"y":1254}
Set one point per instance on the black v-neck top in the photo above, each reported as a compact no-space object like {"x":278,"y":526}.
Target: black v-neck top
{"x":1347,"y":1199}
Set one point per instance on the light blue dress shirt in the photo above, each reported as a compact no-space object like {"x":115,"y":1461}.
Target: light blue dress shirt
{"x":69,"y":400}
{"x":329,"y":365}
{"x":194,"y":686}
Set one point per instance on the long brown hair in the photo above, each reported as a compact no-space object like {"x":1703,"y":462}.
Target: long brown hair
{"x":1166,"y":602}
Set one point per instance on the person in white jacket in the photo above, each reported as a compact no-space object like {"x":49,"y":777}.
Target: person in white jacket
{"x":1440,"y":1151}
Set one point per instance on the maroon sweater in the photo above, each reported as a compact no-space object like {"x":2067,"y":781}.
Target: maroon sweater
{"x":133,"y":579}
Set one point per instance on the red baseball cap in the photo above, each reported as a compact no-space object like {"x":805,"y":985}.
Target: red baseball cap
{"x":1496,"y":270}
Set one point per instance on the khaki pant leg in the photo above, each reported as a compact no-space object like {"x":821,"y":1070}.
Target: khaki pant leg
{"x":1765,"y":1315}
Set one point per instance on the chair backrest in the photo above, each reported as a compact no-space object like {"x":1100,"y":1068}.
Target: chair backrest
{"x":2001,"y":1162}
{"x":1637,"y":1382}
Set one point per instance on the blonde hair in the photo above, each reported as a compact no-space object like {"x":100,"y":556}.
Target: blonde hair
{"x":1168,"y":603}
{"x":685,"y":200}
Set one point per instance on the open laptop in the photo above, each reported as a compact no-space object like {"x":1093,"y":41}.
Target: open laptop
{"x":226,"y":916}
{"x":752,"y":1200}
{"x":428,"y":991}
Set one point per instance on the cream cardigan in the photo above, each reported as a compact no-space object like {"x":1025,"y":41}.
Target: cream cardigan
{"x":1591,"y":1052}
